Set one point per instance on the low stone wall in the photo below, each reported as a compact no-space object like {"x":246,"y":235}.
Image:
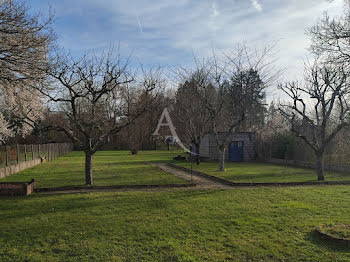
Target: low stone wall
{"x":9,"y":170}
{"x":16,"y":188}
{"x":345,"y":169}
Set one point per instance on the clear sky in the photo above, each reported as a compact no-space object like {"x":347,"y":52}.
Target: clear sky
{"x":169,"y":32}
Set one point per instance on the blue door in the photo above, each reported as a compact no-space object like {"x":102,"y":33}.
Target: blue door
{"x":235,"y":151}
{"x":193,"y":148}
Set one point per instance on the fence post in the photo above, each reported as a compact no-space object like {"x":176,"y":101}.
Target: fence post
{"x":17,"y":150}
{"x":32,"y":152}
{"x":7,"y":156}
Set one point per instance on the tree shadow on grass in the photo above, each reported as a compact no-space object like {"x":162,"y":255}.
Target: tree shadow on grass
{"x":121,"y":163}
{"x":268,"y":177}
{"x":316,"y":239}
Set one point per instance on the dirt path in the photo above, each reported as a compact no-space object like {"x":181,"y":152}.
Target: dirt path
{"x":200,"y":182}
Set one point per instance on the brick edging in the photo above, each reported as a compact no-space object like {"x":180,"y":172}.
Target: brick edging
{"x":246,"y":184}
{"x":68,"y":188}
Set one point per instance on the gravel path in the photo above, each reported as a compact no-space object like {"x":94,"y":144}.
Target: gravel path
{"x":200,"y":182}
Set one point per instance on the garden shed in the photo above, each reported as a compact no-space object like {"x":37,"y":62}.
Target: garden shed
{"x":241,"y":148}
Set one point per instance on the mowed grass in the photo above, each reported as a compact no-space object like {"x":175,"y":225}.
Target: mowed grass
{"x":242,"y":224}
{"x":109,"y":168}
{"x":263,"y":172}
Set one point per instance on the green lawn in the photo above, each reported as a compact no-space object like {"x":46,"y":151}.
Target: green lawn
{"x":242,"y":224}
{"x":109,"y":168}
{"x":263,"y":172}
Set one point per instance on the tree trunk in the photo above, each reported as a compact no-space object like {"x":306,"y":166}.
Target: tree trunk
{"x":88,"y":168}
{"x":319,"y":166}
{"x":198,"y":158}
{"x":222,"y":159}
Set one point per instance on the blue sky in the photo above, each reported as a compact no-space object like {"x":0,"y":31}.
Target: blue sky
{"x":169,"y":32}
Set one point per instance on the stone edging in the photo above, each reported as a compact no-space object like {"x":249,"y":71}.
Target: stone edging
{"x":68,"y":188}
{"x":343,"y":241}
{"x":9,"y":170}
{"x":247,"y":184}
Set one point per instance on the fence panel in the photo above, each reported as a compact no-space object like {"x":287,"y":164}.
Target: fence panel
{"x":15,"y":154}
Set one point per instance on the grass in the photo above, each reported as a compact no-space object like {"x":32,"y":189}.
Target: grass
{"x":109,"y":168}
{"x":263,"y":172}
{"x":244,"y":224}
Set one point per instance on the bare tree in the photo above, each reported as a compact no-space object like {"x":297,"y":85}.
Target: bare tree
{"x":274,"y":127}
{"x":139,"y":135}
{"x":243,"y":98}
{"x":25,"y":41}
{"x":331,"y":37}
{"x":239,"y":79}
{"x":99,"y":96}
{"x":190,"y":111}
{"x":319,"y":109}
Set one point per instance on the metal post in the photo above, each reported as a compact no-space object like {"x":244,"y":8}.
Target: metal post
{"x":7,"y":156}
{"x":32,"y":152}
{"x":17,"y":149}
{"x":25,"y":153}
{"x":191,"y":170}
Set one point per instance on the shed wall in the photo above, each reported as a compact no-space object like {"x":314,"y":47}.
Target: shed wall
{"x":209,"y":145}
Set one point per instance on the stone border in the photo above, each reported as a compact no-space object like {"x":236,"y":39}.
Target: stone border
{"x":69,"y":188}
{"x":9,"y":170}
{"x":16,"y":188}
{"x":343,"y":241}
{"x":248,"y":184}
